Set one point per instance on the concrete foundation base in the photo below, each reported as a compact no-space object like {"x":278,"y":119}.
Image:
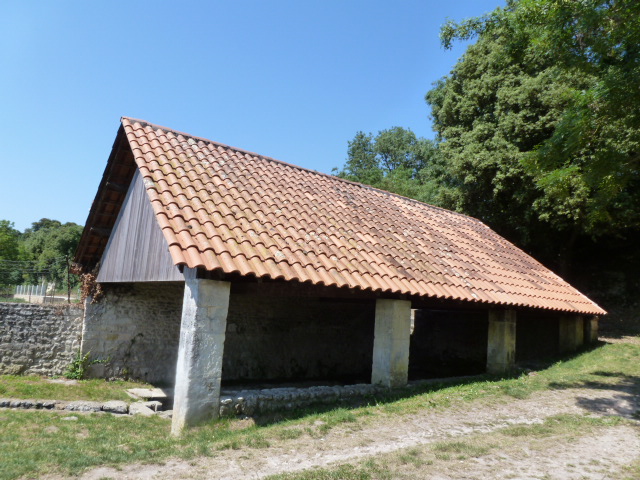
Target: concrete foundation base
{"x":391,"y":343}
{"x":199,"y":367}
{"x":501,"y":347}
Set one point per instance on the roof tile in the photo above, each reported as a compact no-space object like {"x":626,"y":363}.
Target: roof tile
{"x":221,"y":208}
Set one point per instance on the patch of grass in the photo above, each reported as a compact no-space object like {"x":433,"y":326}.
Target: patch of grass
{"x":289,"y":433}
{"x":257,"y":440}
{"x":461,"y":449}
{"x":535,"y":430}
{"x":318,"y":425}
{"x":12,"y":300}
{"x":369,"y":470}
{"x":632,"y":471}
{"x":562,"y":424}
{"x":413,"y":456}
{"x":35,"y":387}
{"x":35,"y":443}
{"x":517,"y":389}
{"x":339,"y":416}
{"x":231,"y":445}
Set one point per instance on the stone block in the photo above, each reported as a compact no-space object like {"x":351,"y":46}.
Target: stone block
{"x":83,"y":406}
{"x":391,"y":343}
{"x":153,"y":405}
{"x":139,"y":408}
{"x":115,"y":406}
{"x":147,"y":394}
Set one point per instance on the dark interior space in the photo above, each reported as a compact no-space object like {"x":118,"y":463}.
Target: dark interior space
{"x":537,"y":335}
{"x":447,"y":343}
{"x":297,"y":339}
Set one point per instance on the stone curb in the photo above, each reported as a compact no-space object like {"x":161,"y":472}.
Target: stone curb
{"x":233,"y":402}
{"x":114,"y":407}
{"x":251,"y":402}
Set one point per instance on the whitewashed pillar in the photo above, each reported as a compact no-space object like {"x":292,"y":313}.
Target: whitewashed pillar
{"x":501,"y":345}
{"x":391,"y":343}
{"x":202,"y":332}
{"x":591,"y":329}
{"x":571,"y":334}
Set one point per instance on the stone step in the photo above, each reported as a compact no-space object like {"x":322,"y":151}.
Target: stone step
{"x":162,"y":395}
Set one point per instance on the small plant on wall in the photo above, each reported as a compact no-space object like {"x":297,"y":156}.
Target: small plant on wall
{"x":78,"y":366}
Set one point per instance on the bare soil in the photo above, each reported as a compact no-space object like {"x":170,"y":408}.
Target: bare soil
{"x":600,"y":454}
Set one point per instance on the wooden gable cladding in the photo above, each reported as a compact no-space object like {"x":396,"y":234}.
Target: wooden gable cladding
{"x":106,"y":206}
{"x":137,"y":250}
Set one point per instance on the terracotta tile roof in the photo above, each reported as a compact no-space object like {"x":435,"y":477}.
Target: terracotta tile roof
{"x":222,"y":208}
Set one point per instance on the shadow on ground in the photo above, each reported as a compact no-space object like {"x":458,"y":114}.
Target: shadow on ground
{"x":625,"y":402}
{"x":377,"y":399}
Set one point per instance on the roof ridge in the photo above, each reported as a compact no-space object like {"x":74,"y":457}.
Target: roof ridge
{"x":298,"y":167}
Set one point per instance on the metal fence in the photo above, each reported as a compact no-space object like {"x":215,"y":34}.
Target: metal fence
{"x":43,"y":293}
{"x":30,"y":281}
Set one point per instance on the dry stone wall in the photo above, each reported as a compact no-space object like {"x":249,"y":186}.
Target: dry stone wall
{"x":134,"y":330}
{"x":38,"y":339}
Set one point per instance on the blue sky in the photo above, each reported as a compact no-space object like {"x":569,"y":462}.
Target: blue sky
{"x":294,"y":80}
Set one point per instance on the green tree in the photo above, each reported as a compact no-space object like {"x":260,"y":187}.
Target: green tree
{"x":9,"y":254}
{"x":48,"y":243}
{"x":497,"y":105}
{"x":395,"y":160}
{"x":41,"y":224}
{"x":587,"y":167}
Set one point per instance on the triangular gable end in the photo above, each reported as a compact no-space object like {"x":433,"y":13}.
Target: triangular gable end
{"x":137,"y":250}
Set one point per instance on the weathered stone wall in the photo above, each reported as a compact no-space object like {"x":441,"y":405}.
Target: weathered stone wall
{"x":38,"y":339}
{"x":448,"y":343}
{"x":135,"y":329}
{"x":271,"y":335}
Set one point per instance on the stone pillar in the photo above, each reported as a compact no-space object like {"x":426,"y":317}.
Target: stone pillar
{"x":591,"y":329}
{"x":199,"y":367}
{"x":391,"y":343}
{"x":501,"y":347}
{"x":571,"y":333}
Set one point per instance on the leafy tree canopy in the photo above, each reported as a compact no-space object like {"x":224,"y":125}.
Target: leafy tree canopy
{"x":41,"y":224}
{"x":586,"y":165}
{"x":37,"y":254}
{"x":397,"y":161}
{"x":9,"y":238}
{"x":9,"y":252}
{"x":48,"y":242}
{"x":497,"y":105}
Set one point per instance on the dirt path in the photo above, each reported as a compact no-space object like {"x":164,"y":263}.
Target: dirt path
{"x":585,"y":457}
